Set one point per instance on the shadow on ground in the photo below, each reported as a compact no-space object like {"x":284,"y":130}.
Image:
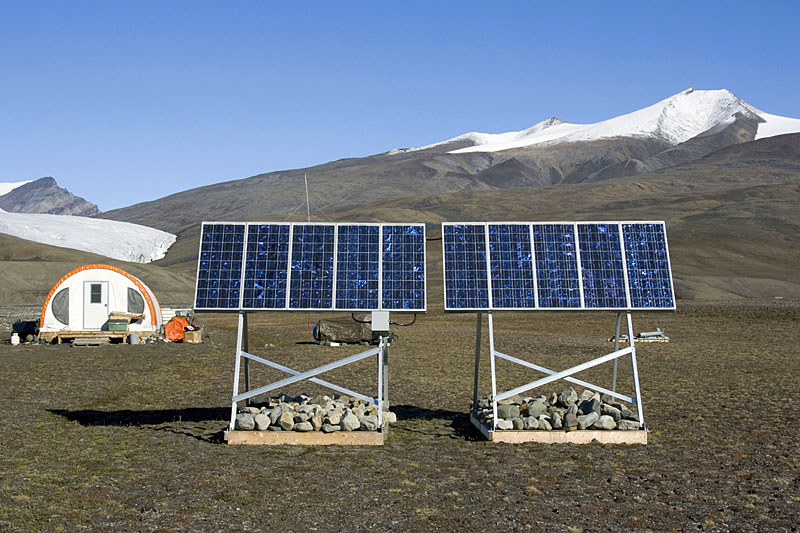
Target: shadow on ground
{"x":157,"y":419}
{"x":459,"y":426}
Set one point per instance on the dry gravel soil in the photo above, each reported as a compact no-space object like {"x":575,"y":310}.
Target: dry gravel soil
{"x":128,"y":438}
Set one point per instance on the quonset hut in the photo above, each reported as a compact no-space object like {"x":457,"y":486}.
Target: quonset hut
{"x":84,"y":300}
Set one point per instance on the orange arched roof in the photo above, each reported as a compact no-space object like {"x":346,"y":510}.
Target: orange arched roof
{"x":66,"y":276}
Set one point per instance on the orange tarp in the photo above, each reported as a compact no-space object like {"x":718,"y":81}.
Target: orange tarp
{"x":173,"y":330}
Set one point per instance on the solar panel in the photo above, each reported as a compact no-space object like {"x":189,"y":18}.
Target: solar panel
{"x":403,"y":266}
{"x":219,"y":266}
{"x":556,"y":265}
{"x":512,"y":275}
{"x":649,"y":273}
{"x":311,"y":266}
{"x":601,"y":266}
{"x":265,"y":273}
{"x":465,"y":266}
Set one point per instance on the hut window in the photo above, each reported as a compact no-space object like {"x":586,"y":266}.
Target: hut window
{"x":96,"y":294}
{"x":60,"y":306}
{"x":135,"y":302}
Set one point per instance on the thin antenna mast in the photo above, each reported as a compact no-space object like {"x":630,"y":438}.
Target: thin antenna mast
{"x":308,"y":203}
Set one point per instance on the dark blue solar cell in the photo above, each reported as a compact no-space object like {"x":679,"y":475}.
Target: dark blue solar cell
{"x":649,"y":274}
{"x":403,"y":267}
{"x":266,"y":266}
{"x":556,"y":265}
{"x":601,"y":266}
{"x":311,"y":285}
{"x":465,"y":266}
{"x":219,"y":268}
{"x":357,"y":265}
{"x":511,"y":260}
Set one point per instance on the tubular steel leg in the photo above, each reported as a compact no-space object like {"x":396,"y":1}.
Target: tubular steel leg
{"x":616,"y":361}
{"x":236,"y":370}
{"x":381,"y":385}
{"x":477,"y":363}
{"x":494,"y":376}
{"x":385,"y":356}
{"x":246,"y":348}
{"x":635,"y":371}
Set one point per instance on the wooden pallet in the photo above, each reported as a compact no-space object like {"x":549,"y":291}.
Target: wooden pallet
{"x":310,"y":438}
{"x":90,"y":338}
{"x":579,"y":436}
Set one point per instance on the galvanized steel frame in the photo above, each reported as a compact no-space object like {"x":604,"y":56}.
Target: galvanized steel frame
{"x":553,"y":375}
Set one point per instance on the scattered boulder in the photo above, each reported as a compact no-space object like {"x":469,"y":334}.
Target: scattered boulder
{"x":350,"y":422}
{"x":304,"y":426}
{"x":584,"y":421}
{"x":604,"y":422}
{"x":262,"y":421}
{"x":567,"y":398}
{"x":628,"y":425}
{"x":286,"y":421}
{"x":368,"y":423}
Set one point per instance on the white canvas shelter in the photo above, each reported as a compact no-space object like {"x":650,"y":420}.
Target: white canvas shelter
{"x":84,"y":299}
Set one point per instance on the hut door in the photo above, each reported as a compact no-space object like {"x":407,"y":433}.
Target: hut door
{"x":95,"y":305}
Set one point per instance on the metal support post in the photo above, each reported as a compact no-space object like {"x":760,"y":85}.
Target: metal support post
{"x":477,"y":362}
{"x":494,"y":375}
{"x":382,"y":385}
{"x":616,"y":347}
{"x":385,"y":364}
{"x":246,"y":348}
{"x":239,"y":335}
{"x":635,"y":371}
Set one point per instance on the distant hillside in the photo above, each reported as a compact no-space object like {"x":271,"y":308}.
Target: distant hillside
{"x":45,"y":196}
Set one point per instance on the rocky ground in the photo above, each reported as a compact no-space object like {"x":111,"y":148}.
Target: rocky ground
{"x":128,"y":438}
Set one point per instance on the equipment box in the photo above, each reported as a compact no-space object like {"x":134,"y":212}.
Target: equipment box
{"x":192,"y":337}
{"x":117,"y":325}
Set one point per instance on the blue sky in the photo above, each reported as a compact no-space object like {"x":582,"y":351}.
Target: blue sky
{"x":124,"y":102}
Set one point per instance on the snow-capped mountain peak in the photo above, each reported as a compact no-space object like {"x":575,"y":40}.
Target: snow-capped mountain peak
{"x":673,"y":120}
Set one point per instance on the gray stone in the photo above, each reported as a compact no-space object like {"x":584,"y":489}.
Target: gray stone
{"x":567,"y":398}
{"x":517,"y":423}
{"x":286,"y":421}
{"x":537,"y":408}
{"x":531,"y":423}
{"x":612,"y":412}
{"x":553,"y":399}
{"x":252,"y":410}
{"x":544,"y":423}
{"x":590,"y":406}
{"x":389,"y":417}
{"x":584,"y":421}
{"x":301,"y":417}
{"x":333,"y":418}
{"x":604,"y":422}
{"x":570,"y":420}
{"x":607,"y":398}
{"x":304,"y":426}
{"x":245,"y":422}
{"x":262,"y":421}
{"x":573,"y":409}
{"x":369,"y":423}
{"x":587,"y":395}
{"x":330,"y":428}
{"x":556,"y":420}
{"x":274,"y":415}
{"x":350,"y":422}
{"x":504,"y":424}
{"x":507,"y":411}
{"x":627,"y":414}
{"x":628,"y":425}
{"x":316,"y":422}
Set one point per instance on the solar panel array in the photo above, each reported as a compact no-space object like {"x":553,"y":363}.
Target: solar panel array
{"x":560,"y":265}
{"x":311,"y":266}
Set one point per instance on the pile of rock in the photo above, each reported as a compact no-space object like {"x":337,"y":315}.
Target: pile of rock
{"x":304,"y":413}
{"x":565,"y":411}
